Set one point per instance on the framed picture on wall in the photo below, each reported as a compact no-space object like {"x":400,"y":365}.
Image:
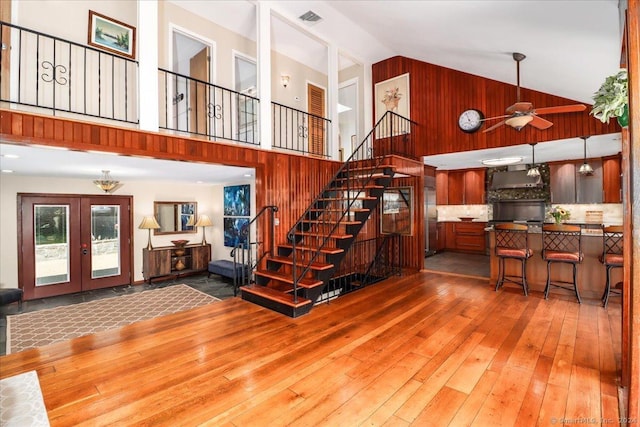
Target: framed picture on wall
{"x":237,"y":200}
{"x":397,"y":211}
{"x":392,"y":95}
{"x":112,"y":35}
{"x":234,"y":231}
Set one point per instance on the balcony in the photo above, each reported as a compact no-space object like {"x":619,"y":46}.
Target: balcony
{"x":49,"y":75}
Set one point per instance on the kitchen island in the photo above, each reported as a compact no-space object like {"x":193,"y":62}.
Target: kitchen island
{"x":591,"y":272}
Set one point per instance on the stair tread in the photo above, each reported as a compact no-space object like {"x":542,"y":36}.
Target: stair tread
{"x":364,"y":176}
{"x":366,"y":186}
{"x":272,"y":294}
{"x":352,"y":198}
{"x":319,"y":222}
{"x":339,"y":210}
{"x":289,"y":261}
{"x":368,"y":168}
{"x":305,"y":282}
{"x":332,"y":236}
{"x":326,"y":250}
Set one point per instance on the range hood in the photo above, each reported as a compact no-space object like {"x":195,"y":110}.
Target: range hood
{"x":514,"y":179}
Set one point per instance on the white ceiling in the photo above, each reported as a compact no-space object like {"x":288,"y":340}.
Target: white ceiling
{"x":571,"y":46}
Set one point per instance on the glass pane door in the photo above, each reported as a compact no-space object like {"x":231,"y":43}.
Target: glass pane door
{"x":105,"y":241}
{"x":51,"y":233}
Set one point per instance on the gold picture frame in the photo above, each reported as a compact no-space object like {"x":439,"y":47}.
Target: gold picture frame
{"x":111,"y":35}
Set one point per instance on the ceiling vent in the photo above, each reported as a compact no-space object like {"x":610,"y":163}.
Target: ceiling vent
{"x":310,"y":17}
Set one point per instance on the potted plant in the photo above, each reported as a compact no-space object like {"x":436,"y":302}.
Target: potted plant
{"x":612,"y":99}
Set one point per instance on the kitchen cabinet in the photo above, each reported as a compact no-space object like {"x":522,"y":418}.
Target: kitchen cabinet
{"x":463,"y":187}
{"x":569,"y":186}
{"x":467,"y":237}
{"x":611,"y":180}
{"x":174,"y":261}
{"x":441,"y":239}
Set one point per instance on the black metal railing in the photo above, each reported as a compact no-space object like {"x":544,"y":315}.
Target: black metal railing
{"x":54,"y":74}
{"x":367,"y":262}
{"x":200,"y":108}
{"x":394,"y":136}
{"x":345,"y":193}
{"x":298,"y":131}
{"x":246,"y":252}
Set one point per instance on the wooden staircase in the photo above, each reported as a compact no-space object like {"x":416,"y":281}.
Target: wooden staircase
{"x":292,"y":280}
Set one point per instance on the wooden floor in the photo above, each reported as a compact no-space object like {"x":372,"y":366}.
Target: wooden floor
{"x":427,"y":349}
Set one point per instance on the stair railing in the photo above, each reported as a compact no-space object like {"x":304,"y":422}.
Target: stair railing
{"x":242,"y":252}
{"x":391,"y":130}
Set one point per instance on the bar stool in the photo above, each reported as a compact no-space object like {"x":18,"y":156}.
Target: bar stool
{"x":512,"y":242}
{"x":612,"y":244}
{"x":562,"y":244}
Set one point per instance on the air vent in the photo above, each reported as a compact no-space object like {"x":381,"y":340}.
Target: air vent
{"x":310,"y":17}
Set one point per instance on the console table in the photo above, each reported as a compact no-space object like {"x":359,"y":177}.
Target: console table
{"x":164,"y":261}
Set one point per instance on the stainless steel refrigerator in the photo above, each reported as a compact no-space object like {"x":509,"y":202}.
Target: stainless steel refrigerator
{"x":430,"y":216}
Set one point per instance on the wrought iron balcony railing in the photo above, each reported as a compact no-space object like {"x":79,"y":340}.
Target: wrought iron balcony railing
{"x":204,"y":109}
{"x":50,"y":73}
{"x":298,"y":131}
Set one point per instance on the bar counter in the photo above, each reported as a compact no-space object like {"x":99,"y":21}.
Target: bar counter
{"x":591,"y":272}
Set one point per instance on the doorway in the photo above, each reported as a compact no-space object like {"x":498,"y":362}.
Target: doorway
{"x":73,"y":243}
{"x":191,"y":57}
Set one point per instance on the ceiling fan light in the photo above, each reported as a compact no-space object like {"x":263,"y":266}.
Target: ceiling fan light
{"x":533,"y":172}
{"x":518,"y":122}
{"x":585,"y":169}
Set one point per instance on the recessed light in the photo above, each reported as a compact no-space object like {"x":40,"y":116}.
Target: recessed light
{"x":247,"y":175}
{"x":10,"y":156}
{"x":503,"y":161}
{"x":7,"y":171}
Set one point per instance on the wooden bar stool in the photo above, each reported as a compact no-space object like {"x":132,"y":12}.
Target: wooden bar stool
{"x":562,"y":244}
{"x":512,"y":242}
{"x":612,"y":244}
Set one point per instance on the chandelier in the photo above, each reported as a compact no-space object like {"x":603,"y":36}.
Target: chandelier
{"x":106,"y":183}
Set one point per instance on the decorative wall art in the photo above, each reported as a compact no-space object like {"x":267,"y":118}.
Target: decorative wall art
{"x":392,"y":95}
{"x":234,"y":229}
{"x":112,"y":35}
{"x":397,"y":211}
{"x":237,"y":200}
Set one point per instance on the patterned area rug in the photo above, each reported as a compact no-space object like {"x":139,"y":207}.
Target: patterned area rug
{"x":44,"y":327}
{"x":21,"y":402}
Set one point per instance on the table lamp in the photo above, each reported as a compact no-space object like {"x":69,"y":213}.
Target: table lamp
{"x":149,"y":223}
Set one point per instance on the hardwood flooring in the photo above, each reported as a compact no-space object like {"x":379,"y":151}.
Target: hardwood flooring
{"x":426,"y":349}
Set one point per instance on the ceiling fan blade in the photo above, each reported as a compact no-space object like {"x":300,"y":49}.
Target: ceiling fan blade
{"x":561,"y":109}
{"x":520,"y":107}
{"x":540,"y":123}
{"x":495,"y":118}
{"x":497,"y":125}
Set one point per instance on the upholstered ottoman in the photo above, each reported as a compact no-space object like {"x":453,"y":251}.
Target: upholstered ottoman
{"x":225,"y":268}
{"x":8,"y":296}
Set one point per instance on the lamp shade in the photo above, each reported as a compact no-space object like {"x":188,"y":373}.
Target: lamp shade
{"x":203,"y":221}
{"x":149,"y":223}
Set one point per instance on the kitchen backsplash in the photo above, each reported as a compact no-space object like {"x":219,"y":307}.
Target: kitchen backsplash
{"x":611,"y":212}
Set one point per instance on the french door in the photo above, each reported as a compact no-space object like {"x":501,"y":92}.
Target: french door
{"x":71,"y":243}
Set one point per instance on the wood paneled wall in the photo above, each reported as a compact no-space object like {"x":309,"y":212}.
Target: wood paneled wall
{"x":288,"y":181}
{"x":438,"y":95}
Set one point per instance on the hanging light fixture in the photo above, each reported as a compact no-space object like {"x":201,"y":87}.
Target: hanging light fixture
{"x":533,"y":170}
{"x":586,"y":168}
{"x":106,"y":183}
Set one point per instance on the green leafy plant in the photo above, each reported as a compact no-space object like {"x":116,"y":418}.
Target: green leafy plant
{"x":612,"y":99}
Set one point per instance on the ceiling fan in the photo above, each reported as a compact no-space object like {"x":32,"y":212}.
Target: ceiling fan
{"x":521,"y":114}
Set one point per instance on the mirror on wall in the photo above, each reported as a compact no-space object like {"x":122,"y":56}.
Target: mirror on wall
{"x":175,"y":217}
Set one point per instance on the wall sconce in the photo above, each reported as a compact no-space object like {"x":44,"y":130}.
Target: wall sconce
{"x":203,"y":221}
{"x":284,"y":78}
{"x":106,"y":183}
{"x":149,"y":223}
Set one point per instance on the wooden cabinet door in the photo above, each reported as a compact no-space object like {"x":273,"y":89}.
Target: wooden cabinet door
{"x":156,"y":262}
{"x":563,"y":182}
{"x":442,"y":188}
{"x":455,"y":193}
{"x":450,"y":235}
{"x":200,"y":257}
{"x":589,"y":187}
{"x":611,"y":180}
{"x":474,"y":188}
{"x":441,"y":239}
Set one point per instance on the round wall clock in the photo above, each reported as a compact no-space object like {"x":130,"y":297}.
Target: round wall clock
{"x":470,"y":120}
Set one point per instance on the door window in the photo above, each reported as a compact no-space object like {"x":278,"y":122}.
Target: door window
{"x":51,"y":233}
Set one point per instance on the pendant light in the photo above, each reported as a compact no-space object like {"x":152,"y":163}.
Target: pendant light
{"x":533,"y":171}
{"x":586,"y":168}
